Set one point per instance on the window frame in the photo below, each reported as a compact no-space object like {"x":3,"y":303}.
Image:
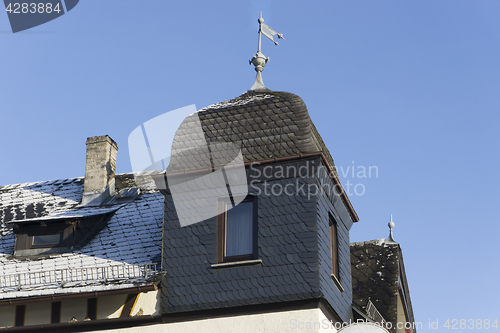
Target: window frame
{"x":26,"y":233}
{"x":334,"y":247}
{"x":47,"y":245}
{"x":221,"y":232}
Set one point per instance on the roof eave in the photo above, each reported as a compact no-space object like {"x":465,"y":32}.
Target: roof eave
{"x":92,"y":294}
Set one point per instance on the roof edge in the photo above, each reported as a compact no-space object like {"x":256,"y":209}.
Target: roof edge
{"x":90,"y":294}
{"x":161,"y":180}
{"x":378,"y":242}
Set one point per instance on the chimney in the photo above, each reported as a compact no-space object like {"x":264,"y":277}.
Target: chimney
{"x":99,"y":170}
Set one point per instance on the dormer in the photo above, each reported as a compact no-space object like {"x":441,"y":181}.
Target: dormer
{"x":58,"y":234}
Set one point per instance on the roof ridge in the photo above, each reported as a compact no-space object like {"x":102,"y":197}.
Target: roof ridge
{"x":378,"y":241}
{"x":46,"y":182}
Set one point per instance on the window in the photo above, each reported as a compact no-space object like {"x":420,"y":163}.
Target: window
{"x":35,"y":239}
{"x":237,"y":231}
{"x":334,"y":248}
{"x":92,"y":309}
{"x":20,"y":313}
{"x":55,"y":315}
{"x":46,"y":240}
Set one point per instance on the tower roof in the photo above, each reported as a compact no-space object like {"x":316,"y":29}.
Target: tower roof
{"x":264,"y":124}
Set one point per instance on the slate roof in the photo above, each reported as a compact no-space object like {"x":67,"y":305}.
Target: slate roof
{"x":132,"y":236}
{"x":375,"y":269}
{"x":264,"y":124}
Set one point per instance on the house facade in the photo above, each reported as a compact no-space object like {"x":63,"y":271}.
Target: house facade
{"x":158,"y":251}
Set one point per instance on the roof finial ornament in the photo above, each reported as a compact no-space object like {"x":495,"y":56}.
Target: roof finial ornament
{"x":391,"y":238}
{"x":259,"y":60}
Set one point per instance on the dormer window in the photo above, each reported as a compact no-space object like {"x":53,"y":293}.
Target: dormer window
{"x":46,"y":240}
{"x":58,"y":234}
{"x":43,"y":238}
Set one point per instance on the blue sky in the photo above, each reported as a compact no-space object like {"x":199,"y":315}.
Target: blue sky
{"x":409,"y":87}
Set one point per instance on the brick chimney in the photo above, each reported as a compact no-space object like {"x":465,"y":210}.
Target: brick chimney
{"x":99,"y":170}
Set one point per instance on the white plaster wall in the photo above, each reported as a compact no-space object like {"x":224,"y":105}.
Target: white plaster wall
{"x":149,"y":303}
{"x":7,"y":314}
{"x":37,"y":313}
{"x":299,"y":321}
{"x":73,"y":308}
{"x":401,"y":318}
{"x":107,"y":307}
{"x":110,"y":306}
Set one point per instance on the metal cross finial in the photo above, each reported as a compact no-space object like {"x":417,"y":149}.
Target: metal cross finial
{"x":391,"y":226}
{"x":259,"y":60}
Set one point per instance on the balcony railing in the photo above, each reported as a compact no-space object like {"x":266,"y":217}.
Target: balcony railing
{"x":373,"y":313}
{"x":79,"y":276}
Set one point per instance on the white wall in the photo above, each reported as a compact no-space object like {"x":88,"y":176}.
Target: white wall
{"x":72,"y":308}
{"x":37,"y":314}
{"x":299,"y":321}
{"x":401,"y":318}
{"x":149,"y":303}
{"x":110,"y":306}
{"x":107,"y":307}
{"x":7,"y":314}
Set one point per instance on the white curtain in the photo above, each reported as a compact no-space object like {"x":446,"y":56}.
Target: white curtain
{"x":239,"y":230}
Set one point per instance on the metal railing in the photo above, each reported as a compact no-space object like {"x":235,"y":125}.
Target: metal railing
{"x":373,"y":313}
{"x":62,"y":277}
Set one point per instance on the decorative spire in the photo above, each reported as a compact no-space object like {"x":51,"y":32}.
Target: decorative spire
{"x":259,"y":60}
{"x":391,"y":238}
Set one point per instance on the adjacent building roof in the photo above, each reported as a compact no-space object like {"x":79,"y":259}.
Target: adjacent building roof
{"x":113,"y":259}
{"x":378,"y":276}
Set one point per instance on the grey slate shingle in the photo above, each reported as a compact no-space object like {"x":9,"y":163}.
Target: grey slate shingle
{"x":369,"y":260}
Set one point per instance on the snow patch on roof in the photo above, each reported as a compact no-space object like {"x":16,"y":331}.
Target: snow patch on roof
{"x":132,"y":236}
{"x":237,"y":102}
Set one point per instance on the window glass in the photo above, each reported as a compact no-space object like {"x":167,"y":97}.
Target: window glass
{"x":92,"y":308}
{"x":46,"y":239}
{"x":20,"y":314}
{"x":239,"y":230}
{"x":334,"y":247}
{"x":55,"y":316}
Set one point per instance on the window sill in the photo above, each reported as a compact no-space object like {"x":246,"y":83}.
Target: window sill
{"x":238,"y":263}
{"x":41,"y":251}
{"x":337,"y":283}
